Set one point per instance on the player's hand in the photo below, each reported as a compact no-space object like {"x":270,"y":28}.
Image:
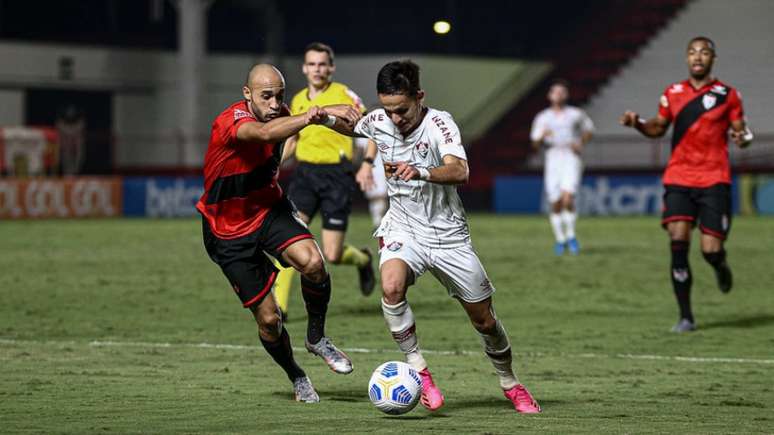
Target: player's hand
{"x":576,"y":147}
{"x":346,"y":112}
{"x":365,"y":177}
{"x":546,"y":134}
{"x":738,"y":136}
{"x":316,"y":115}
{"x":629,"y":119}
{"x":404,"y":171}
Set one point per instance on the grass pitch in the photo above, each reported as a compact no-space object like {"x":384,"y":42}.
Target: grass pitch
{"x":125,"y":326}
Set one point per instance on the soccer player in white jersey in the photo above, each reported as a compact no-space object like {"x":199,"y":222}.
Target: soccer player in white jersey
{"x":425,"y":228}
{"x":564,"y":130}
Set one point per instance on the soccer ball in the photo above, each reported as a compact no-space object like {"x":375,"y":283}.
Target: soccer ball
{"x":395,"y":388}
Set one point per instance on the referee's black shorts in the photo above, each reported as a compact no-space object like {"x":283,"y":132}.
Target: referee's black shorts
{"x":243,"y":260}
{"x":327,"y":188}
{"x":709,"y":207}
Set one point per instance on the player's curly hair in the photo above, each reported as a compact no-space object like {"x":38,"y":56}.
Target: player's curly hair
{"x":709,"y":42}
{"x":398,"y":78}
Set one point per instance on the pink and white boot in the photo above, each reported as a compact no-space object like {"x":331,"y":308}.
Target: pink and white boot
{"x":432,"y":398}
{"x":522,"y":400}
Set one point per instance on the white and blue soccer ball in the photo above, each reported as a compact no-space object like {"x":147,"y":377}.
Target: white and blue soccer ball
{"x":395,"y":388}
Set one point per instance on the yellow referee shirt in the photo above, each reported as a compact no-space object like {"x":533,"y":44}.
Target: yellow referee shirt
{"x":318,"y":144}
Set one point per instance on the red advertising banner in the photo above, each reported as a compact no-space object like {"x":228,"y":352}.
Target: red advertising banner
{"x":69,"y":197}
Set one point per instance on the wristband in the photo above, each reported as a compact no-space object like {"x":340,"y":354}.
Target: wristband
{"x":424,"y":173}
{"x":368,"y":160}
{"x":330,"y":121}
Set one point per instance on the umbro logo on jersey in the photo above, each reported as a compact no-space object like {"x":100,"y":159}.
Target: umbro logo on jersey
{"x":708,"y":100}
{"x":719,"y":89}
{"x":394,"y":246}
{"x":383,"y":146}
{"x":676,"y":88}
{"x":239,"y":114}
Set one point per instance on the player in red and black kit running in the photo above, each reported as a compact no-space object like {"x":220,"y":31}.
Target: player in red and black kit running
{"x":697,"y":179}
{"x":246,"y":216}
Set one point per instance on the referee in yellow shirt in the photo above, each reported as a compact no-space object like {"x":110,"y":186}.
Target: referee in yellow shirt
{"x":324,"y":179}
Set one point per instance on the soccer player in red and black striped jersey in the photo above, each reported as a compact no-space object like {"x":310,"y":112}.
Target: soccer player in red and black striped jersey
{"x":246,"y":216}
{"x":697,"y":179}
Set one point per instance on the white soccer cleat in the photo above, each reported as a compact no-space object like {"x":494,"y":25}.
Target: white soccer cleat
{"x":304,"y":391}
{"x":337,"y":360}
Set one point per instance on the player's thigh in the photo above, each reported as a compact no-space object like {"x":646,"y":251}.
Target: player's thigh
{"x":284,"y":236}
{"x":336,"y":197}
{"x":333,"y":244}
{"x":570,"y":172}
{"x":552,"y":184}
{"x":461,"y":272}
{"x":715,"y":211}
{"x":248,"y":270}
{"x":401,"y":262}
{"x":679,"y":206}
{"x":303,"y":191}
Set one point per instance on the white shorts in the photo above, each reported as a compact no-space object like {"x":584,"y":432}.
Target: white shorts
{"x":458,"y":269}
{"x":562,"y":174}
{"x":380,"y":181}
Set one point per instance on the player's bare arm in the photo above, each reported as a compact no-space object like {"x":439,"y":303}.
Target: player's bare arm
{"x":741,"y":134}
{"x":290,"y":147}
{"x":280,"y":128}
{"x":453,"y":171}
{"x":536,"y":144}
{"x":654,"y":127}
{"x":365,"y":175}
{"x":343,"y":118}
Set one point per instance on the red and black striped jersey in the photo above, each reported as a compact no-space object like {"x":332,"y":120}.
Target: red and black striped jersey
{"x":701,"y":119}
{"x":240,"y":179}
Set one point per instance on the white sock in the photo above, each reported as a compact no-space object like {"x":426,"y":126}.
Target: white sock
{"x":569,"y":218}
{"x":498,"y":350}
{"x":377,"y":207}
{"x":556,"y":225}
{"x":400,"y":320}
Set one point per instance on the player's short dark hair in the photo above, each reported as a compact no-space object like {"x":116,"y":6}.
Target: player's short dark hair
{"x":319,"y":46}
{"x":559,"y":82}
{"x":398,"y":78}
{"x":709,"y":42}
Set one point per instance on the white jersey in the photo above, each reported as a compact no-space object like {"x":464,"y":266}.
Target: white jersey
{"x":428,"y":213}
{"x":566,"y":127}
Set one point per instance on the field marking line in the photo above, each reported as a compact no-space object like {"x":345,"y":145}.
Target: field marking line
{"x":225,"y":346}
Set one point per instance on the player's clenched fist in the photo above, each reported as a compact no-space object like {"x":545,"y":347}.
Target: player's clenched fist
{"x":629,"y":118}
{"x":405,"y":172}
{"x":316,"y":115}
{"x":346,"y":112}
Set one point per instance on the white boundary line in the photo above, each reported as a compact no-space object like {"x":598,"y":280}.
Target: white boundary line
{"x":224,"y":346}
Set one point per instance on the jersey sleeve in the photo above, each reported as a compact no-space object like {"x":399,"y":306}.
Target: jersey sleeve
{"x":239,"y":117}
{"x":450,"y":139}
{"x":536,"y":132}
{"x":735,"y":110}
{"x":664,"y":108}
{"x":586,"y":124}
{"x":356,"y":101}
{"x":364,"y":127}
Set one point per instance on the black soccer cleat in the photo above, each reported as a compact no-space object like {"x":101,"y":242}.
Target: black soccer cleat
{"x":366,"y":273}
{"x":724,"y":277}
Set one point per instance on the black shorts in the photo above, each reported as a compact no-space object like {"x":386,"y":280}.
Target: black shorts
{"x":249,"y":271}
{"x":709,"y":207}
{"x":327,"y":188}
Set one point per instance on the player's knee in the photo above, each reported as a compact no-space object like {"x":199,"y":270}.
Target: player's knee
{"x":333,"y":256}
{"x":270,"y":323}
{"x":313,"y":267}
{"x":393,"y":289}
{"x":485,"y":324}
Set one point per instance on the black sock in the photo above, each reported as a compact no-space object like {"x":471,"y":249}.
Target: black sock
{"x":282,"y":353}
{"x":316,"y":297}
{"x":681,"y":277}
{"x":716,"y":259}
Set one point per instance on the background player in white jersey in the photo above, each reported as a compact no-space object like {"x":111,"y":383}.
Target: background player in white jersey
{"x":425,"y":228}
{"x":370,"y":177}
{"x":564,"y":130}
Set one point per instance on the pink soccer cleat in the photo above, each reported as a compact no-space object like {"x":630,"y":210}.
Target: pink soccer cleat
{"x":522,"y":400}
{"x":432,"y":398}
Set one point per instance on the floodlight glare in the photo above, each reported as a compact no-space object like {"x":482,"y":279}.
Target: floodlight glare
{"x":441,"y":27}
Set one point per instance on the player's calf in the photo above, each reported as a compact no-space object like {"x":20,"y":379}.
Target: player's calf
{"x":722,"y":272}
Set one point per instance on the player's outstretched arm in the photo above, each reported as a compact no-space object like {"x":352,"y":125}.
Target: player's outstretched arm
{"x":654,"y":127}
{"x":343,"y":118}
{"x":280,"y":128}
{"x":453,"y":171}
{"x":741,"y":134}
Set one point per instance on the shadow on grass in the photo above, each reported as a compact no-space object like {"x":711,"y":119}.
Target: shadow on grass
{"x":742,"y":322}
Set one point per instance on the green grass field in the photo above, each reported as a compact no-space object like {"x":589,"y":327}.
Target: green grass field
{"x":125,"y":326}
